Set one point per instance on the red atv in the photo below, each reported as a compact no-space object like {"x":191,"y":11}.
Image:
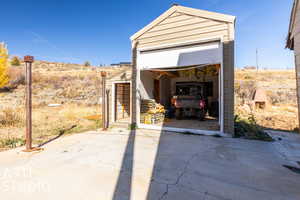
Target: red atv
{"x":189,"y":107}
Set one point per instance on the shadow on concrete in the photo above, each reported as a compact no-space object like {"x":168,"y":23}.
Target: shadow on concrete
{"x":169,"y":166}
{"x":61,"y":133}
{"x":124,"y":182}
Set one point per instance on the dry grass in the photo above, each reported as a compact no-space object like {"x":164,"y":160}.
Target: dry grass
{"x":10,"y":117}
{"x":280,"y":87}
{"x":48,"y":122}
{"x":78,"y":92}
{"x":76,"y":88}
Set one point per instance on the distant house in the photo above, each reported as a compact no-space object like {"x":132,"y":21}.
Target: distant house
{"x":293,"y":43}
{"x":249,"y":68}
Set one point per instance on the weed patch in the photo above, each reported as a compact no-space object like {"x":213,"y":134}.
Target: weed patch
{"x":11,"y":142}
{"x":249,"y":129}
{"x":10,"y":117}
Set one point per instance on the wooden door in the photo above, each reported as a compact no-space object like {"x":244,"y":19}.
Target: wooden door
{"x":122,"y":101}
{"x":156,"y":91}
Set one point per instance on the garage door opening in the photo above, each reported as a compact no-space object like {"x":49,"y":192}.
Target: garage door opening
{"x":181,"y":98}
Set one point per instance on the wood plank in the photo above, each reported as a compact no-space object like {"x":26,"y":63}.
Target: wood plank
{"x":185,"y":39}
{"x":218,"y":28}
{"x":177,"y":24}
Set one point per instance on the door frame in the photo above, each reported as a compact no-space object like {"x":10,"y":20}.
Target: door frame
{"x":221,"y":96}
{"x":114,"y":83}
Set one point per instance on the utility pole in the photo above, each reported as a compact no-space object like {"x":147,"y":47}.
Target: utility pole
{"x":257,"y":59}
{"x":28,"y":76}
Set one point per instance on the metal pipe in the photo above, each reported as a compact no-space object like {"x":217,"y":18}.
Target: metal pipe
{"x":103,"y":75}
{"x":107,"y":109}
{"x":28,"y":62}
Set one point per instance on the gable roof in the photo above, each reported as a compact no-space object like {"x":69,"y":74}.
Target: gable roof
{"x":290,"y":37}
{"x":188,"y":11}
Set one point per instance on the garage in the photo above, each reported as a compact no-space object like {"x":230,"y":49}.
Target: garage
{"x":183,"y":64}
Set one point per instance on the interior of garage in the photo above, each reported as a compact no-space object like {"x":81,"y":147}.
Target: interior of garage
{"x":181,"y":97}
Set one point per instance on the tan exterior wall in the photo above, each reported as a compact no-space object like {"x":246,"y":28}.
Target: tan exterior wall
{"x":118,"y":75}
{"x":297,"y":54}
{"x":228,"y":84}
{"x":181,"y":27}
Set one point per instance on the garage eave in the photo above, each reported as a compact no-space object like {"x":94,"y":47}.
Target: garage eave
{"x":290,"y":37}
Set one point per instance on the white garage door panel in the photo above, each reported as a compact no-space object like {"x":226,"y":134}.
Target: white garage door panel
{"x":184,"y":56}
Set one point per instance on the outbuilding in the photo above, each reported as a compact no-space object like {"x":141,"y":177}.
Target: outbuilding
{"x":183,"y":73}
{"x":293,"y":43}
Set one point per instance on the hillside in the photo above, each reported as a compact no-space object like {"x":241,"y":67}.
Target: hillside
{"x":73,"y":89}
{"x":76,"y":91}
{"x":280,"y":89}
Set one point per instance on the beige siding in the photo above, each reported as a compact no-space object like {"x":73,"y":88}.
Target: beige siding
{"x":178,"y":24}
{"x":121,"y":74}
{"x":198,"y":28}
{"x":183,"y":39}
{"x":297,"y":52}
{"x":181,"y":27}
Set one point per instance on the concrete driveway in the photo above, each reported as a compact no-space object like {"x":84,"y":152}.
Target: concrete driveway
{"x":148,"y":165}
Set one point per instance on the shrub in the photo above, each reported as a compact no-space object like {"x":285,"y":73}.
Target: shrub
{"x":10,"y":117}
{"x":12,"y":142}
{"x":16,"y":76}
{"x":249,"y":129}
{"x":244,"y":90}
{"x":71,"y":92}
{"x":15,"y":61}
{"x":87,"y":63}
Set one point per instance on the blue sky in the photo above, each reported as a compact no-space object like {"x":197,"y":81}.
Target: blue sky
{"x":98,"y":31}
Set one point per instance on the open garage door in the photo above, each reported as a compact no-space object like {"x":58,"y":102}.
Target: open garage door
{"x":180,"y":56}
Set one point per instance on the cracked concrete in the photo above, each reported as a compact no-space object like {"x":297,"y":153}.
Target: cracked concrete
{"x":178,"y":178}
{"x":149,"y":165}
